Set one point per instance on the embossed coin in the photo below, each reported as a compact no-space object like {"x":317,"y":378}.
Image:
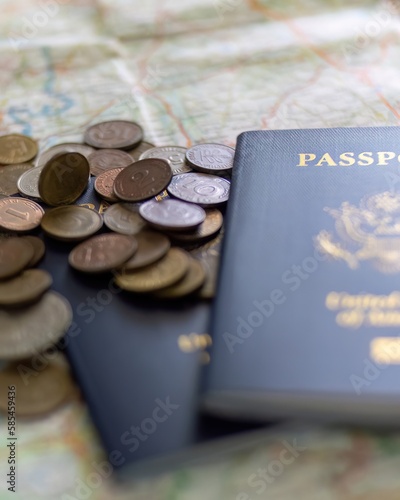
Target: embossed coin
{"x":9,"y":176}
{"x":67,"y":147}
{"x":161,"y":274}
{"x":28,"y":183}
{"x":15,"y":255}
{"x":71,"y":223}
{"x":104,"y":184}
{"x":63,"y":179}
{"x":124,"y":218}
{"x":102,"y":253}
{"x":136,"y":152}
{"x":38,"y":248}
{"x":209,"y":255}
{"x":173,"y":215}
{"x":16,"y":148}
{"x":44,"y":392}
{"x":26,"y":331}
{"x":107,"y":159}
{"x":210,"y":158}
{"x":174,"y":155}
{"x":142,"y":180}
{"x":116,"y":134}
{"x":19,"y":214}
{"x":205,"y":190}
{"x":152,"y":247}
{"x":190,"y":283}
{"x":208,"y":228}
{"x":24,"y":288}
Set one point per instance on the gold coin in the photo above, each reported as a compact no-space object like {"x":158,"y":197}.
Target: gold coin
{"x":24,"y":288}
{"x":208,"y":228}
{"x":19,"y":214}
{"x":36,"y":392}
{"x":189,"y":284}
{"x":71,"y":223}
{"x":38,"y":248}
{"x":9,"y":176}
{"x":17,"y":148}
{"x":64,"y":178}
{"x":161,"y":274}
{"x":152,"y":247}
{"x":15,"y":255}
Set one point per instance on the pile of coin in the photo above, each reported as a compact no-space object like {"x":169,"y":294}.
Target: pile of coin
{"x":159,"y":235}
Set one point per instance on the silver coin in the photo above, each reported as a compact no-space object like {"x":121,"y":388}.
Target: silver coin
{"x":27,"y":331}
{"x":210,"y":158}
{"x":124,"y":218}
{"x":28,"y":183}
{"x":135,"y":153}
{"x":203,"y":189}
{"x":173,"y":215}
{"x":174,"y":155}
{"x":107,"y":159}
{"x":67,"y":147}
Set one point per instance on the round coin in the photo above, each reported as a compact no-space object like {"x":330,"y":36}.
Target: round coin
{"x":19,"y":214}
{"x":107,"y":159}
{"x":124,"y":218}
{"x":16,"y":148}
{"x":190,"y":283}
{"x":152,"y":247}
{"x":67,"y":147}
{"x":209,"y":255}
{"x":116,"y":134}
{"x":15,"y":255}
{"x":205,"y":190}
{"x":71,"y":223}
{"x":174,"y":155}
{"x":161,"y":274}
{"x":26,"y":331}
{"x":136,"y":152}
{"x":104,"y":184}
{"x":24,"y":288}
{"x":9,"y":176}
{"x":142,"y":180}
{"x":208,"y":228}
{"x":44,"y":392}
{"x":63,"y":179}
{"x":28,"y":183}
{"x":172,"y":215}
{"x":38,"y":248}
{"x":102,"y":253}
{"x":210,"y":158}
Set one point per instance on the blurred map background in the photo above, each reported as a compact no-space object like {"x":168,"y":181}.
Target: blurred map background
{"x":188,"y":72}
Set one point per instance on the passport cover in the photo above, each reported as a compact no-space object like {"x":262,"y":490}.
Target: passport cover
{"x":307,"y":316}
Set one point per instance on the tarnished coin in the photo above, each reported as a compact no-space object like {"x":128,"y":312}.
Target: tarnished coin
{"x":15,"y":255}
{"x":67,"y":147}
{"x":102,"y":253}
{"x":189,"y":284}
{"x":172,"y":215}
{"x":208,"y":228}
{"x":104,"y":184}
{"x":124,"y":218}
{"x":63,"y":179}
{"x":9,"y":176}
{"x":174,"y":155}
{"x":106,"y":159}
{"x":136,"y":152}
{"x":38,"y":394}
{"x":19,"y":214}
{"x":210,"y":158}
{"x":116,"y":134}
{"x":27,"y":287}
{"x":142,"y":180}
{"x":16,"y":148}
{"x":205,"y":190}
{"x":26,"y":331}
{"x":39,"y":249}
{"x":71,"y":223}
{"x":28,"y":183}
{"x":209,"y":255}
{"x":161,"y":274}
{"x":152,"y":247}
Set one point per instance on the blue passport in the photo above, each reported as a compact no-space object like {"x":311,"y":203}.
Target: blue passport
{"x":307,"y":317}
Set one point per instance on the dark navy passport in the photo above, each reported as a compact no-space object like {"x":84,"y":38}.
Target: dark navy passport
{"x":307,"y":317}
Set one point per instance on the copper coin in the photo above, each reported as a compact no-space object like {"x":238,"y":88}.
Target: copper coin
{"x":15,"y":255}
{"x":17,"y":148}
{"x":142,"y":180}
{"x":107,"y":159}
{"x":38,"y":248}
{"x":137,"y":152}
{"x":104,"y":184}
{"x":102,"y":253}
{"x":208,"y":228}
{"x":9,"y":176}
{"x":67,"y":147}
{"x":19,"y":214}
{"x":152,"y":246}
{"x":210,"y":158}
{"x":71,"y":223}
{"x":172,"y":215}
{"x":27,"y":287}
{"x":63,"y":179}
{"x":115,"y":134}
{"x":124,"y":218}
